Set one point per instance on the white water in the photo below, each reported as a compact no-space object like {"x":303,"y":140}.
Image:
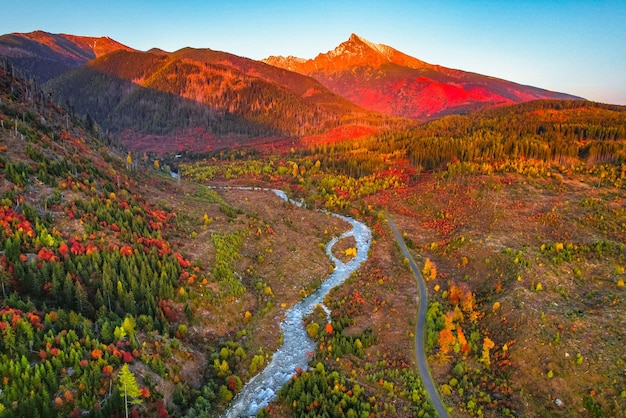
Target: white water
{"x":292,"y":354}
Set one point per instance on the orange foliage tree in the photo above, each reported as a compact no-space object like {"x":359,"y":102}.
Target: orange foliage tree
{"x":465,"y":348}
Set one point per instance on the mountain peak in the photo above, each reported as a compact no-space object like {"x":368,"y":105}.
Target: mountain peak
{"x":380,"y":78}
{"x":356,"y":38}
{"x":357,"y":52}
{"x":89,"y":46}
{"x":383,"y":49}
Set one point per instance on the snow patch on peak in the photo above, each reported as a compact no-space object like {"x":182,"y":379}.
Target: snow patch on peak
{"x":296,"y":59}
{"x":290,"y":58}
{"x":289,"y":62}
{"x":383,"y":49}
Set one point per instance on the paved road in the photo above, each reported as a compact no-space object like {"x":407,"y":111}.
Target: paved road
{"x":420,"y":328}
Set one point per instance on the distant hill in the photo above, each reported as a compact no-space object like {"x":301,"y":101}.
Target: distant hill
{"x":550,"y":131}
{"x":306,"y":87}
{"x":45,"y":55}
{"x":200,"y":93}
{"x":380,"y":78}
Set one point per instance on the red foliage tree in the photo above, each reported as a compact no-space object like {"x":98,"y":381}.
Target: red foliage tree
{"x":127,"y":357}
{"x":46,"y":254}
{"x":182,"y":261}
{"x":161,"y":410}
{"x":63,"y":250}
{"x":232,"y":385}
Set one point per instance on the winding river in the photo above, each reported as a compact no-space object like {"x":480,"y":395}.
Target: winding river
{"x":293,"y":353}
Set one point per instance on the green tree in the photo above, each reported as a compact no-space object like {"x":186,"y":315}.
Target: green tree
{"x":106,"y":332}
{"x":4,"y":281}
{"x":81,"y":298}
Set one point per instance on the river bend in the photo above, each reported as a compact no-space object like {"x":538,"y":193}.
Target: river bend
{"x":293,"y":353}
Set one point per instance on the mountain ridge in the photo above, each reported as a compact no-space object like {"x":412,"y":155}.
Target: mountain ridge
{"x":198,"y":96}
{"x":45,"y":55}
{"x":381,"y":78}
{"x":204,"y":93}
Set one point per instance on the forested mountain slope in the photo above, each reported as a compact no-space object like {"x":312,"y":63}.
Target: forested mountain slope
{"x":85,"y":262}
{"x":562,"y":132}
{"x":204,"y":94}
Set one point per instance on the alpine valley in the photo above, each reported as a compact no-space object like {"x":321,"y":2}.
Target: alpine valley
{"x":149,"y":266}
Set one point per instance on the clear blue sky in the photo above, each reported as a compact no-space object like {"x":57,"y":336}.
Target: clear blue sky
{"x":573,"y":46}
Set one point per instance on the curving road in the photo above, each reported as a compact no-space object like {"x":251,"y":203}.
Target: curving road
{"x":420,"y":328}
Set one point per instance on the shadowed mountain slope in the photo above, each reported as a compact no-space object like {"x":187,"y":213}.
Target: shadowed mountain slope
{"x":202,"y":91}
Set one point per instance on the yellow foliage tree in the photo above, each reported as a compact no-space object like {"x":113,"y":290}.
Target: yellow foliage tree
{"x":495,"y":307}
{"x":129,"y":325}
{"x":468,"y":302}
{"x":429,"y":271}
{"x":487,"y":345}
{"x":313,"y":329}
{"x":246,"y":316}
{"x":458,"y":314}
{"x":128,"y":385}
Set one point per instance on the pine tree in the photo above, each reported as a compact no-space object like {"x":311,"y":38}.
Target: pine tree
{"x":80,"y":296}
{"x":68,"y":291}
{"x":4,"y":281}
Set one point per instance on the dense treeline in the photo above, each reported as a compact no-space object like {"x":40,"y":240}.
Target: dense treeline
{"x":560,"y":132}
{"x":547,"y":131}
